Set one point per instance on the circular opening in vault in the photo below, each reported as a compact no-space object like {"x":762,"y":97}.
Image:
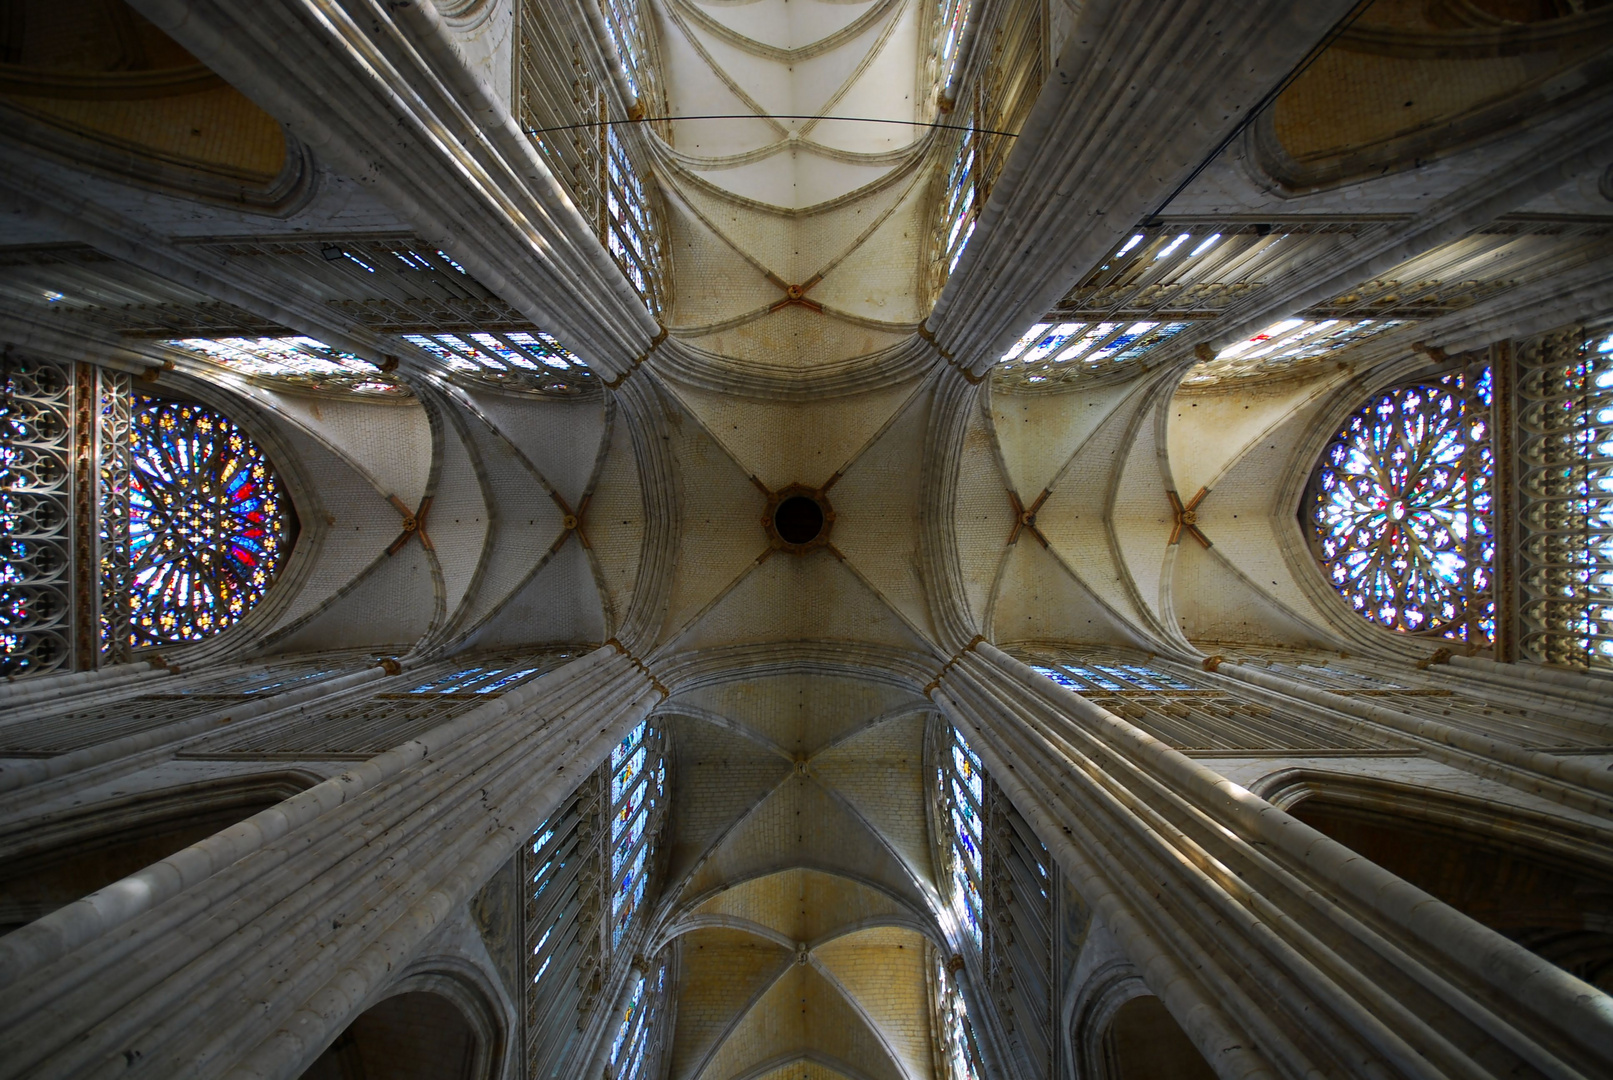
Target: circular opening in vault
{"x":798,"y":520}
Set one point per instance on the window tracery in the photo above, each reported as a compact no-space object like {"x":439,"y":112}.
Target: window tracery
{"x":1166,"y":278}
{"x":998,"y":93}
{"x":511,"y":360}
{"x":959,"y":1053}
{"x":635,"y":48}
{"x":634,"y":1049}
{"x":563,"y":957}
{"x":114,"y":453}
{"x":1565,"y":453}
{"x":1006,"y":894}
{"x":209,"y":523}
{"x":951,"y":20}
{"x":1400,"y":509}
{"x":588,"y":868}
{"x":1184,"y":709}
{"x":571,"y":113}
{"x":637,"y":789}
{"x":961,"y":782}
{"x":298,"y":362}
{"x":36,"y":516}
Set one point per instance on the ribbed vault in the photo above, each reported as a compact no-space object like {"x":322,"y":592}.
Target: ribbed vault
{"x":800,"y":879}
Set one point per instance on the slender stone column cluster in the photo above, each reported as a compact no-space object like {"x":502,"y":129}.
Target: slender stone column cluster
{"x":1280,"y":951}
{"x":245,"y":954}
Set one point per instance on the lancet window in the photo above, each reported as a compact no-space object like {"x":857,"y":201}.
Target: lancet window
{"x":295,"y":362}
{"x":563,"y":956}
{"x":569,"y":105}
{"x":951,"y":20}
{"x":637,"y":1045}
{"x":959,"y":1053}
{"x":1013,"y":911}
{"x":637,"y":791}
{"x":961,"y":782}
{"x":590,"y":868}
{"x":523,"y":360}
{"x":510,"y":360}
{"x":1169,"y":277}
{"x":996,"y":97}
{"x":1400,"y":508}
{"x":1565,"y":483}
{"x":629,"y":27}
{"x":1185,"y":708}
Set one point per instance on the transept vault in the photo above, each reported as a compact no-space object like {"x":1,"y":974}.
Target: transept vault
{"x":788,"y":539}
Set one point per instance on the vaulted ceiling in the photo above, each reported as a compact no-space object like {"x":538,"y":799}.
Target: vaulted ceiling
{"x":803,"y":349}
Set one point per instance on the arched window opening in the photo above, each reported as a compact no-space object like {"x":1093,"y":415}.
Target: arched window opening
{"x":412,"y":1036}
{"x":997,"y":98}
{"x":959,"y":1052}
{"x":513,"y":360}
{"x":1399,"y":509}
{"x":296,"y":363}
{"x":374,"y":722}
{"x":569,"y":106}
{"x":1010,"y":904}
{"x":962,"y":784}
{"x":951,"y":20}
{"x":637,"y":1044}
{"x":1144,"y":1042}
{"x":1185,"y":708}
{"x":589,"y":869}
{"x":1565,"y":482}
{"x":637,"y":789}
{"x":1560,"y":908}
{"x":210,"y":525}
{"x":36,"y":516}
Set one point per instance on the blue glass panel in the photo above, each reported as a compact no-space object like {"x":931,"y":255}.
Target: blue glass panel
{"x":446,"y":683}
{"x":1096,"y":677}
{"x":1057,"y":676}
{"x":627,"y":774}
{"x":499,"y":684}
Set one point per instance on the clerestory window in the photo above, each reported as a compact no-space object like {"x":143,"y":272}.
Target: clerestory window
{"x":1565,"y":485}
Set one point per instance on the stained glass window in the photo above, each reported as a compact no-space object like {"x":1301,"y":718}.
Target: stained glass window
{"x":1401,"y":508}
{"x":951,"y":19}
{"x":35,"y":516}
{"x":575,"y":119}
{"x":1048,"y":350}
{"x":299,"y":362}
{"x":962,"y":789}
{"x":637,"y":785}
{"x":957,"y":1034}
{"x":562,"y":928}
{"x":631,"y":1049}
{"x":514,"y":360}
{"x":1565,"y":482}
{"x":209,"y":524}
{"x":960,"y":206}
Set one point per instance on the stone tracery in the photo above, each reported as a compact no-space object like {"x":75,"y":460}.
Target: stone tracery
{"x":805,"y":348}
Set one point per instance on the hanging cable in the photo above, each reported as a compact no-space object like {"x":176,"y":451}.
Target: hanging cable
{"x":770,"y":116}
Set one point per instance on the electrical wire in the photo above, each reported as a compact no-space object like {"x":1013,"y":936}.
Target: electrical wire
{"x":772,"y":116}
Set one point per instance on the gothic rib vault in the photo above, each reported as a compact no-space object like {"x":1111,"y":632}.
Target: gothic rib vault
{"x":807,"y":339}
